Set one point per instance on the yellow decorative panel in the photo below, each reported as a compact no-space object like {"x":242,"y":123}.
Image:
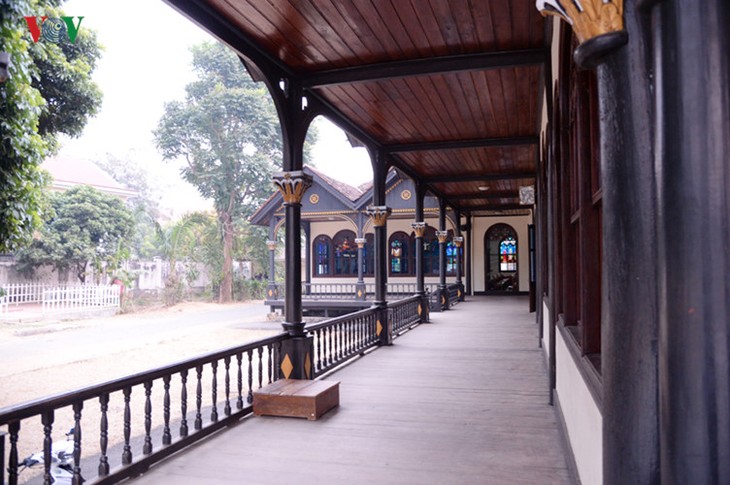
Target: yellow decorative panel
{"x":378,"y":329}
{"x":286,"y":366}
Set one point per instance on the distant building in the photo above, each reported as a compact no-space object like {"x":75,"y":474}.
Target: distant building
{"x":70,"y":172}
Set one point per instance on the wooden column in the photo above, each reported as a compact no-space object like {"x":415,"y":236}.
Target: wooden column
{"x":467,"y":251}
{"x":629,"y":283}
{"x":360,"y":285}
{"x":443,"y":236}
{"x":458,"y":242}
{"x":379,"y":213}
{"x":419,"y":229}
{"x":692,"y":69}
{"x":272,"y":290}
{"x":308,"y":256}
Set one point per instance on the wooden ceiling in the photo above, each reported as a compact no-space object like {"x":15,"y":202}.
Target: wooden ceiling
{"x":449,"y":88}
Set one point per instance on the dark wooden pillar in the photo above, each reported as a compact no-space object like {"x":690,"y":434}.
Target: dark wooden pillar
{"x":467,"y":252}
{"x":294,"y":359}
{"x":629,"y":311}
{"x":308,"y":256}
{"x":692,"y":42}
{"x":458,"y":242}
{"x":379,"y":213}
{"x":272,"y":290}
{"x":360,"y":285}
{"x":443,"y":237}
{"x":419,"y":229}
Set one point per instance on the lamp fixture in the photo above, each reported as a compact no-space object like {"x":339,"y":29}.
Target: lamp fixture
{"x":483,"y":188}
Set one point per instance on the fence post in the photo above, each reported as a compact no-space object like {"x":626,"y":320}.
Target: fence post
{"x":2,"y":458}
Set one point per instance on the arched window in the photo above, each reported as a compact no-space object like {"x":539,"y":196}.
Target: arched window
{"x":430,"y":252}
{"x":400,"y":253}
{"x":451,"y":256}
{"x":322,"y":253}
{"x":345,"y":253}
{"x":500,"y":244}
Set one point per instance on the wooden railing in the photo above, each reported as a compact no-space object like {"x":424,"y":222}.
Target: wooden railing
{"x":338,"y":340}
{"x":193,"y":398}
{"x":404,"y":314}
{"x":348,"y":291}
{"x":233,"y":374}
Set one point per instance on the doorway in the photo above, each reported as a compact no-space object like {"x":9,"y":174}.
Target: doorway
{"x":501,"y":262}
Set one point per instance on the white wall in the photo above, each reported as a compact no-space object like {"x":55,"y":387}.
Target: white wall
{"x":581,"y":415}
{"x":479,"y":229}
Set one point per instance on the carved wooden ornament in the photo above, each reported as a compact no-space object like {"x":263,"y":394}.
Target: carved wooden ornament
{"x":292,"y":185}
{"x":598,"y":24}
{"x":379,"y":214}
{"x":419,"y":228}
{"x":443,"y":236}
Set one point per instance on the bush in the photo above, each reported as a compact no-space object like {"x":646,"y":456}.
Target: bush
{"x":248,"y":289}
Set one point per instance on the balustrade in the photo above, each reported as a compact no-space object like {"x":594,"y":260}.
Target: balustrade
{"x":139,"y":440}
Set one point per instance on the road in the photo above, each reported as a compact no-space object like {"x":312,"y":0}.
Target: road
{"x":35,"y":361}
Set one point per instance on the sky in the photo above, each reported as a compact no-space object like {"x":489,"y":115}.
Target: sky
{"x":145,"y":63}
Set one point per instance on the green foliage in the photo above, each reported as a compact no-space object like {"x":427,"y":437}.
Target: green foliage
{"x":227,"y":131}
{"x":49,"y":92}
{"x":133,"y":174}
{"x":87,"y":227}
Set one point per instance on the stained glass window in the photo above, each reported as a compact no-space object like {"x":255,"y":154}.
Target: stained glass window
{"x":399,"y":253}
{"x":508,"y":254}
{"x":451,"y":258}
{"x":322,"y":255}
{"x":345,"y":253}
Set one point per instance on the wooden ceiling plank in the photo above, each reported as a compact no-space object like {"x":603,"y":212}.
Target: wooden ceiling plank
{"x":447,"y":25}
{"x":479,"y":177}
{"x":416,"y":30}
{"x":484,"y":25}
{"x":459,"y":144}
{"x":428,"y":124}
{"x":424,"y":66}
{"x":255,"y":14}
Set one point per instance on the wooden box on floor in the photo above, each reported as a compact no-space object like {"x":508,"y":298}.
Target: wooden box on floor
{"x":296,"y":398}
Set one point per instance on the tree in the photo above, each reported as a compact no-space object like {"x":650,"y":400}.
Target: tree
{"x":49,"y":92}
{"x":132,"y":173}
{"x":87,"y":227}
{"x":228,"y":132}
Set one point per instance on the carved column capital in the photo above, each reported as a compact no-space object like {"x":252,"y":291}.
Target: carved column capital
{"x":379,"y":214}
{"x":458,"y":241}
{"x":360,"y":241}
{"x":292,"y":185}
{"x":419,"y":228}
{"x":271,"y":245}
{"x":598,"y":24}
{"x":443,"y":236}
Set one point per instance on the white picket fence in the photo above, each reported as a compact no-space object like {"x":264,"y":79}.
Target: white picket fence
{"x":53,"y":298}
{"x":81,"y":298}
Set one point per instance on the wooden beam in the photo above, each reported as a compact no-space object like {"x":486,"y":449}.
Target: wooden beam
{"x":478,"y":178}
{"x":505,"y":194}
{"x":457,"y":144}
{"x":425,"y":66}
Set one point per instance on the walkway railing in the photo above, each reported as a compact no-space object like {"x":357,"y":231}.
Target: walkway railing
{"x":338,"y":340}
{"x":193,"y":398}
{"x":348,"y":291}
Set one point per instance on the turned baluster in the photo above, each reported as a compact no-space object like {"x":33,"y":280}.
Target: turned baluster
{"x":239,"y":379}
{"x":47,"y":421}
{"x":227,"y":407}
{"x":13,"y":430}
{"x":184,"y":403}
{"x":147,"y":447}
{"x":261,"y":367}
{"x":127,"y":453}
{"x":250,"y":377}
{"x":77,"y":479}
{"x":269,"y":366}
{"x":214,"y":411}
{"x":104,"y":435}
{"x":166,"y":435}
{"x":199,"y":398}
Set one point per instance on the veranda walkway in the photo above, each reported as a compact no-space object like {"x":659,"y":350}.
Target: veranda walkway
{"x":461,"y":400}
